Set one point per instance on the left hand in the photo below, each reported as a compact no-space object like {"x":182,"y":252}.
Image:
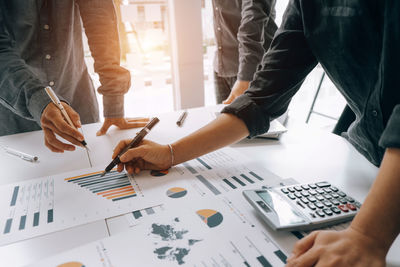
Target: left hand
{"x":122,"y":123}
{"x":349,"y":247}
{"x":238,"y":89}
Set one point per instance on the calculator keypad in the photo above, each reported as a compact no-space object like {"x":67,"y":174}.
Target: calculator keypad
{"x":321,"y":200}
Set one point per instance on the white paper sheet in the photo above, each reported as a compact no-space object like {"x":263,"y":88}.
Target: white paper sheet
{"x":204,"y":233}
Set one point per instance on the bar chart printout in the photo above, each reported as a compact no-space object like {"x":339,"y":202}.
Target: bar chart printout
{"x":30,"y":206}
{"x":114,"y":185}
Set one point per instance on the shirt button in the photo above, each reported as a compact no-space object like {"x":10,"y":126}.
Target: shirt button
{"x":374,"y":113}
{"x":216,"y":8}
{"x":46,"y":27}
{"x":48,"y":57}
{"x":218,"y":28}
{"x":51,"y":83}
{"x":219,"y":47}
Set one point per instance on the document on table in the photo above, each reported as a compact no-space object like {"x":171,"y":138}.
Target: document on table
{"x":205,"y":233}
{"x":44,"y":205}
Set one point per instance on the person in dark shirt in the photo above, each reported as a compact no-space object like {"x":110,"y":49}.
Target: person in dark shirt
{"x":243,"y":32}
{"x":357,"y":43}
{"x":41,"y":45}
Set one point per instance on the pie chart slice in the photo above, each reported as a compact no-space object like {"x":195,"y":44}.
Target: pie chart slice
{"x":210,"y":217}
{"x":159,"y":173}
{"x":71,"y":264}
{"x":176,"y":192}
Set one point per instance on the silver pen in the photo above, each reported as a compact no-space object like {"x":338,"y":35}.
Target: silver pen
{"x":20,"y":154}
{"x":58,"y":104}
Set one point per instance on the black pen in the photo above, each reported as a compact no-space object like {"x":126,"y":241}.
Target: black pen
{"x":182,"y":118}
{"x":138,"y":138}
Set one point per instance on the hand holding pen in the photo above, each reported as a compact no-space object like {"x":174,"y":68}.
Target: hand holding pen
{"x":129,"y":145}
{"x":59,"y":118}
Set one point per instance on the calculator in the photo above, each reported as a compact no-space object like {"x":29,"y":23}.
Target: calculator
{"x":303,"y":206}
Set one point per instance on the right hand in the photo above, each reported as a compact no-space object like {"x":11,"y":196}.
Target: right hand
{"x":53,"y":123}
{"x":147,"y":156}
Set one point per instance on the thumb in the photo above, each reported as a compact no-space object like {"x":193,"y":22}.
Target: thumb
{"x":103,"y":130}
{"x":131,"y":154}
{"x":229,"y":100}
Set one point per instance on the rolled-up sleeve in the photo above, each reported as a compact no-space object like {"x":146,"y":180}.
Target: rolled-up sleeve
{"x":281,"y":73}
{"x":256,"y":14}
{"x":21,"y":91}
{"x":100,"y":23}
{"x":390,"y":137}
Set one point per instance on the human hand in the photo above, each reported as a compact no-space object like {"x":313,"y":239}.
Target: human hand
{"x":349,"y":247}
{"x":147,"y":156}
{"x":53,"y":123}
{"x":122,"y":123}
{"x":238,"y":89}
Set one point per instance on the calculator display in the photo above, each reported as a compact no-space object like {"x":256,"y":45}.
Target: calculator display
{"x":286,"y":214}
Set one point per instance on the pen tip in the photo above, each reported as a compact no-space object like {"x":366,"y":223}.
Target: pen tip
{"x":104,"y":173}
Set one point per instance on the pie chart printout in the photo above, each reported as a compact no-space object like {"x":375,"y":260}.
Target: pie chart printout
{"x":159,"y":173}
{"x":176,"y":192}
{"x":210,"y":217}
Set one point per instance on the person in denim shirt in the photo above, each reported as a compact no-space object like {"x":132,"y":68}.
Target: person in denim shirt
{"x":357,"y":43}
{"x":41,"y":45}
{"x":243,"y":32}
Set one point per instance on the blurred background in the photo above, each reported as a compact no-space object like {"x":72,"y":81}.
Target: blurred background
{"x":147,"y":42}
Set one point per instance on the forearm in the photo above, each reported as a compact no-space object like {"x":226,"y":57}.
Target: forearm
{"x":223,"y":131}
{"x":100,"y":23}
{"x":379,"y":216}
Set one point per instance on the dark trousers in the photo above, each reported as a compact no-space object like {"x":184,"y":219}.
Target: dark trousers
{"x":223,"y":86}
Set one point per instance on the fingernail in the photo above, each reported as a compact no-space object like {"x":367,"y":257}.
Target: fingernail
{"x":79,"y":123}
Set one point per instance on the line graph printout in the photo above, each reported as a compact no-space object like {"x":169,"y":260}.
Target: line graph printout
{"x":180,"y":238}
{"x":45,"y":205}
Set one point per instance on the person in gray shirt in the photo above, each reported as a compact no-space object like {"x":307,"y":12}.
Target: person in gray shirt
{"x":243,"y":32}
{"x":41,"y":45}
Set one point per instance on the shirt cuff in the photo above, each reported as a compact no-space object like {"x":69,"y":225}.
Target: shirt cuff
{"x":244,"y":108}
{"x":37,"y":103}
{"x":391,"y":135}
{"x":113,"y":106}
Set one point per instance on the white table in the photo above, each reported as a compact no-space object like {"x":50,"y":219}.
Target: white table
{"x":303,"y":153}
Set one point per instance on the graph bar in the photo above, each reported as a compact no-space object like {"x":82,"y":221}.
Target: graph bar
{"x":114,"y":186}
{"x":298,"y":234}
{"x":108,"y":187}
{"x":22,"y":222}
{"x":281,"y":255}
{"x":137,"y":214}
{"x":208,"y":184}
{"x":149,"y":211}
{"x":238,"y":181}
{"x":247,"y":179}
{"x":14,"y":196}
{"x":190,"y":168}
{"x":264,"y":261}
{"x":229,"y":183}
{"x":256,"y":176}
{"x":7,"y":229}
{"x":203,"y":163}
{"x":120,"y":198}
{"x":36,"y":219}
{"x":50,"y":216}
